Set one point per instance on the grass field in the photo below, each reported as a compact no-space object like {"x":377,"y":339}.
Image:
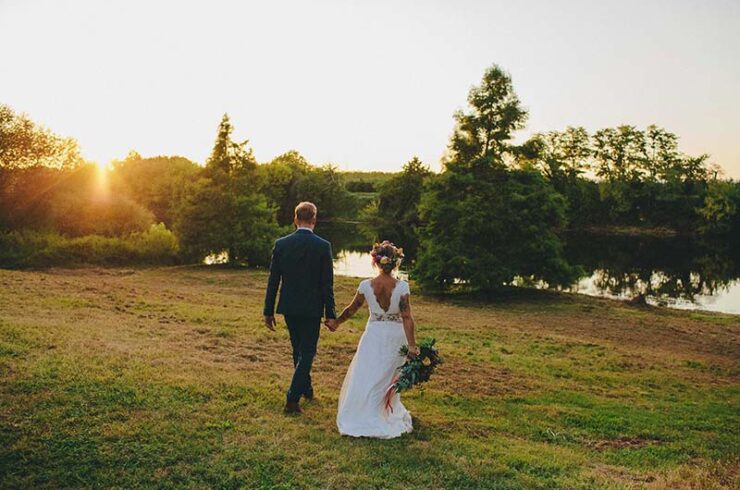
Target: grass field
{"x":166,"y":378}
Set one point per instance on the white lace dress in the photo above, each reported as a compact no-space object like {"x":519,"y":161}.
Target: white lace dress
{"x":362,"y":411}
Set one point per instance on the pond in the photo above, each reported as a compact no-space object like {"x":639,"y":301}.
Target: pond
{"x":675,"y":272}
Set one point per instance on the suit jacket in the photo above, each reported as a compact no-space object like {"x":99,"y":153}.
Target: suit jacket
{"x":302,"y":261}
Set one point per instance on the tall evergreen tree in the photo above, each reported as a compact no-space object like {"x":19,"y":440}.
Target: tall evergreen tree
{"x":483,"y":223}
{"x":225,"y":210}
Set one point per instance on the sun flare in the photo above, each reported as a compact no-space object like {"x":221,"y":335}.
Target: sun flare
{"x":102,"y":189}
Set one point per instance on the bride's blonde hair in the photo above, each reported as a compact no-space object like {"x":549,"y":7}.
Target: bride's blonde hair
{"x":386,"y":256}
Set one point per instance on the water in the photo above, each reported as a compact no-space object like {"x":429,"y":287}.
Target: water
{"x":726,"y":299}
{"x":357,"y":264}
{"x":673,"y":272}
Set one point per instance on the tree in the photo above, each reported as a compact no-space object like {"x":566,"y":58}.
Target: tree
{"x":620,"y":153}
{"x":483,"y":223}
{"x":290,"y":178}
{"x":45,"y":185}
{"x":394,"y":215}
{"x":487,"y":227}
{"x":720,"y":212}
{"x":560,"y":156}
{"x":157,"y":183}
{"x":224,"y":210}
{"x":495,"y":113}
{"x":71,"y":201}
{"x":646,"y":180}
{"x":280,"y":180}
{"x":24,"y":143}
{"x":564,"y":157}
{"x":662,"y":157}
{"x":29,"y":154}
{"x":324,"y":186}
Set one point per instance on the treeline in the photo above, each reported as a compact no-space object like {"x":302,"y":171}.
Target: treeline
{"x":56,"y":208}
{"x":642,"y":179}
{"x":495,"y":213}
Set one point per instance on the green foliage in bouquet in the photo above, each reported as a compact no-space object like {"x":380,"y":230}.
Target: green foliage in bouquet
{"x":415,"y":370}
{"x":420,"y":368}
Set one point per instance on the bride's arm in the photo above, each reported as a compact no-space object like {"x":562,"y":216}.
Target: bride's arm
{"x":351,"y":308}
{"x":408,"y":324}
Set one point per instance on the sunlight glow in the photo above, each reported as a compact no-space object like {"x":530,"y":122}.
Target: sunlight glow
{"x":102,"y":188}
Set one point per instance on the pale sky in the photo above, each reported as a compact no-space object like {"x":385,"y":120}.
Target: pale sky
{"x":365,"y":85}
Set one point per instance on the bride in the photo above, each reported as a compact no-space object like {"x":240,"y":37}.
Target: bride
{"x":362,"y":408}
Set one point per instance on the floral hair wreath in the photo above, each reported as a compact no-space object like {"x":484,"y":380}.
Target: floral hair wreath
{"x":385,"y":253}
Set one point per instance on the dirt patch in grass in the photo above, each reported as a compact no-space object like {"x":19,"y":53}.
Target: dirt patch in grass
{"x":621,"y":443}
{"x":479,"y":379}
{"x":621,"y":475}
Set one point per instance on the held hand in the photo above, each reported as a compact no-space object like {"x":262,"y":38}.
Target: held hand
{"x":270,"y":322}
{"x":331,"y":324}
{"x":413,"y":351}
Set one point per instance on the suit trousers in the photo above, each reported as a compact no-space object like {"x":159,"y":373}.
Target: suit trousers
{"x":304,"y":337}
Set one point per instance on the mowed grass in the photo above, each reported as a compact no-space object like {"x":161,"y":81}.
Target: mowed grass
{"x":166,"y":378}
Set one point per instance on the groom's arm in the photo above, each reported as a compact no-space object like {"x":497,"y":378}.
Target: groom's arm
{"x":273,"y":282}
{"x":327,"y":283}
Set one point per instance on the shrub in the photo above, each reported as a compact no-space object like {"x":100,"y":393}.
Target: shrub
{"x":26,"y":248}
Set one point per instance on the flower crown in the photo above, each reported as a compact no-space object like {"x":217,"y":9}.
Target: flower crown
{"x":384,"y":254}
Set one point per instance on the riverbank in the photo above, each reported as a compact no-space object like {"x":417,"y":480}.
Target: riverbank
{"x":165,"y":377}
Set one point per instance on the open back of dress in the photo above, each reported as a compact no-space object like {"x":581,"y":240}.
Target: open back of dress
{"x":362,"y":411}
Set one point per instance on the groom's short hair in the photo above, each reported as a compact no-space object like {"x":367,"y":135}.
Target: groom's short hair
{"x":305,"y":212}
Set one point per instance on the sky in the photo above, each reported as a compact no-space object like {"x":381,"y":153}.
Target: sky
{"x":365,"y":85}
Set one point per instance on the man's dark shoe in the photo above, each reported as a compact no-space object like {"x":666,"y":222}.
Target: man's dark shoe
{"x":293,"y":408}
{"x":308,"y":396}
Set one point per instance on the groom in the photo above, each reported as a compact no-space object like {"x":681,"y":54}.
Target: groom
{"x":303,"y":261}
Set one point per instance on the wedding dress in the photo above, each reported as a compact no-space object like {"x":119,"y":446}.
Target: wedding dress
{"x":362,"y":411}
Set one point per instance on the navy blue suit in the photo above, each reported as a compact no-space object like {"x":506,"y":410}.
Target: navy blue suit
{"x":302,"y":268}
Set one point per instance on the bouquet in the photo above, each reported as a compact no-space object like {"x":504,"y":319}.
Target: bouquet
{"x":415,"y":370}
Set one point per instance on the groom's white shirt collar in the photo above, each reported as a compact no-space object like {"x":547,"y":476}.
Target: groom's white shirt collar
{"x":304,"y":228}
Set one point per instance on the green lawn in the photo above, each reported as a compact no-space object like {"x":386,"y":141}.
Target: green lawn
{"x":166,"y":378}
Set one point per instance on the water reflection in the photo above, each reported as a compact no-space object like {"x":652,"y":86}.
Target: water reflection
{"x":724,"y":299}
{"x":676,"y":272}
{"x":662,"y":270}
{"x":345,"y":237}
{"x":219,"y":258}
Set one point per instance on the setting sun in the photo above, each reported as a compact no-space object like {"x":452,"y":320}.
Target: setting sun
{"x":103,"y":180}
